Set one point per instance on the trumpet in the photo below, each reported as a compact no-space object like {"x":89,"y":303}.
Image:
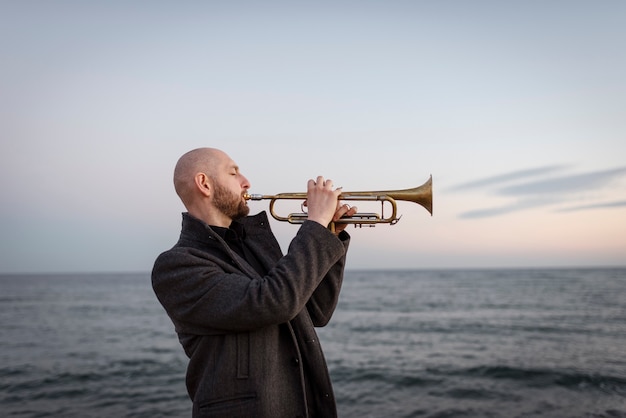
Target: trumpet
{"x":422,"y":195}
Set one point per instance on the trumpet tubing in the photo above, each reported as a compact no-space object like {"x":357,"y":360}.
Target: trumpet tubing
{"x":422,"y":195}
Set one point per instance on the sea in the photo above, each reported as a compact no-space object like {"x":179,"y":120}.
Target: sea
{"x":418,"y":343}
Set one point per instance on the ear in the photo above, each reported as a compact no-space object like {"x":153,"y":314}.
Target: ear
{"x":203,"y":184}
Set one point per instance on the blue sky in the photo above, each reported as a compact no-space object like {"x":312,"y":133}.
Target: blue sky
{"x":517,"y":109}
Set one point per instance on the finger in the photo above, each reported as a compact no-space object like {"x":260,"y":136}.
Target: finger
{"x":339,"y":213}
{"x":342,"y":210}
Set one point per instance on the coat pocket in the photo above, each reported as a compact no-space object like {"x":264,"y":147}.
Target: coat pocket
{"x":237,"y":406}
{"x":243,"y":355}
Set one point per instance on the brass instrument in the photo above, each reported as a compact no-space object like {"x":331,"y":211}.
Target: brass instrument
{"x":422,"y":195}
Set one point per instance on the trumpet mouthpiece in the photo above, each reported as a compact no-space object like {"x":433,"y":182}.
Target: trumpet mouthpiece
{"x":249,"y":196}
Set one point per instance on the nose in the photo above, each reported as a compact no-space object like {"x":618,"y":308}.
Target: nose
{"x":245,"y":184}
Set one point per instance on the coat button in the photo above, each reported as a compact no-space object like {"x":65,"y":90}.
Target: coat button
{"x":295,"y":361}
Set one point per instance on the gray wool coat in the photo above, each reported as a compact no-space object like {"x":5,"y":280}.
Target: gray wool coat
{"x":252,"y":347}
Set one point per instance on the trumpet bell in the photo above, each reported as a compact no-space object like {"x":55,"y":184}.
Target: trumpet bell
{"x":422,"y":195}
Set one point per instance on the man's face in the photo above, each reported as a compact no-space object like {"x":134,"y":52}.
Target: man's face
{"x":228,"y":202}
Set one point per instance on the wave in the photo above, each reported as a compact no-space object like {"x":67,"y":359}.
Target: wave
{"x":349,"y":375}
{"x":527,"y":377}
{"x":544,"y":377}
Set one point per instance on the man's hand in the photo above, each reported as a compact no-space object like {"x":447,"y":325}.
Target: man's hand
{"x":323,"y":204}
{"x":343,"y":210}
{"x":322,"y":200}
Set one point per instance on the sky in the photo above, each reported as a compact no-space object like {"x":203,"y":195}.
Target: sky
{"x":516,"y":109}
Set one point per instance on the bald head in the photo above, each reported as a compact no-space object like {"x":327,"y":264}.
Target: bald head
{"x":200,"y":160}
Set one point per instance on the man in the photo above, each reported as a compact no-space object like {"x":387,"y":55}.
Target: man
{"x":243,"y":312}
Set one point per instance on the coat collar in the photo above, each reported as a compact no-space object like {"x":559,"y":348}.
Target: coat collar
{"x":197,"y":230}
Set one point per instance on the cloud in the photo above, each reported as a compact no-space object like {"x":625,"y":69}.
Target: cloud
{"x":565,"y":184}
{"x":506,"y":209}
{"x":545,"y":192}
{"x":617,"y":204}
{"x":515,"y":175}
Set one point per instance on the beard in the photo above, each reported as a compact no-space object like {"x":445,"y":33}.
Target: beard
{"x":229,"y":203}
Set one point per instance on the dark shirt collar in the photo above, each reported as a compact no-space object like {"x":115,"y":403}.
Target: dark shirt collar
{"x":234,"y":232}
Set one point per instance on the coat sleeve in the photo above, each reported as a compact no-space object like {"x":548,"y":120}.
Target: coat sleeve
{"x":322,"y":304}
{"x":204,"y":293}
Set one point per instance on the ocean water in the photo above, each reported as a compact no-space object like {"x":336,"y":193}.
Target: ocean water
{"x":476,"y":343}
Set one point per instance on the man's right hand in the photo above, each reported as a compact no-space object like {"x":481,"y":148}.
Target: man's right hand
{"x":321,"y":200}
